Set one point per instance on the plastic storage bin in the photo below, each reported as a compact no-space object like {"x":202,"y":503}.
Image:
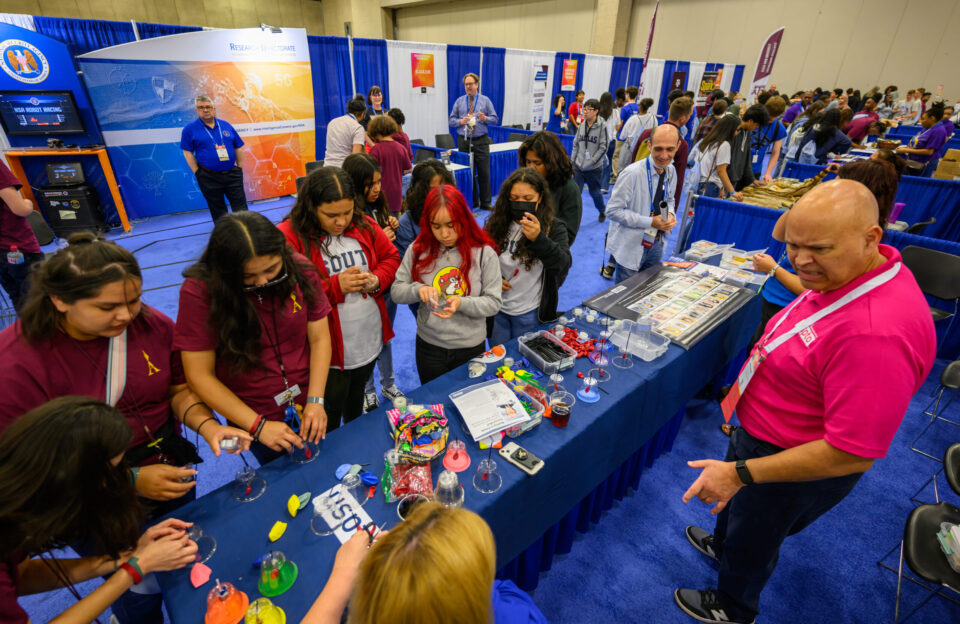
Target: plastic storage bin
{"x":538,"y":361}
{"x":528,"y":393}
{"x":645,"y":343}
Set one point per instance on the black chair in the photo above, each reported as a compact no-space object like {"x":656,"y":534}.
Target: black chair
{"x":949,"y":380}
{"x":938,"y":275}
{"x":40,"y":228}
{"x":300,"y":181}
{"x":417,"y":141}
{"x":314,"y":165}
{"x":920,"y":226}
{"x":921,"y":550}
{"x":445,"y":141}
{"x":517,"y":126}
{"x":422,"y":155}
{"x":517,"y":136}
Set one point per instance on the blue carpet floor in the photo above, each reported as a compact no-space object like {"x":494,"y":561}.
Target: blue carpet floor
{"x":626,"y":567}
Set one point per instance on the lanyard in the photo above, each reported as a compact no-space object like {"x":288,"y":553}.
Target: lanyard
{"x":650,"y":183}
{"x":920,"y":135}
{"x":219,"y":133}
{"x":275,"y":344}
{"x":767,"y":346}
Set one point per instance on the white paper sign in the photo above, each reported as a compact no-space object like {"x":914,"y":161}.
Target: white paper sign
{"x":345,"y":515}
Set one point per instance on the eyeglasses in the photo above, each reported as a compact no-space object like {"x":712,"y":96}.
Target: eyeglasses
{"x":204,"y":108}
{"x":279,"y":279}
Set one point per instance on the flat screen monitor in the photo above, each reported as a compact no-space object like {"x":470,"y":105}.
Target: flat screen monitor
{"x":65,"y":174}
{"x":39,"y":112}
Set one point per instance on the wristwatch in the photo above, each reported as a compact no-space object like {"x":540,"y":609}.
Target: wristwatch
{"x":313,"y":399}
{"x":743,"y":472}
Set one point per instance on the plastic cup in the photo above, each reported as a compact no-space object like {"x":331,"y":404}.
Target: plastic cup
{"x":322,"y":505}
{"x":400,"y":403}
{"x":353,"y":485}
{"x":408,"y":503}
{"x":449,"y":492}
{"x":307,"y":454}
{"x":561,"y":404}
{"x":487,"y":479}
{"x":248,"y":485}
{"x":206,"y":544}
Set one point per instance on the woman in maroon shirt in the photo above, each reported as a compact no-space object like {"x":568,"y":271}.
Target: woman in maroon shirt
{"x":392,"y":157}
{"x":252,"y":329}
{"x":16,"y":235}
{"x":63,"y":480}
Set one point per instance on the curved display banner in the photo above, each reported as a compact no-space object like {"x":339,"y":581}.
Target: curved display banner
{"x":143,"y":95}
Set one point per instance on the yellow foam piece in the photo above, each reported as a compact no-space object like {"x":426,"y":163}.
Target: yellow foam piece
{"x":277,"y":531}
{"x":293,"y":505}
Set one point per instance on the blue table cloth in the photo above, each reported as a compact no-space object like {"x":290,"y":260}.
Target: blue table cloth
{"x":923,"y":198}
{"x":593,"y":460}
{"x":501,"y":134}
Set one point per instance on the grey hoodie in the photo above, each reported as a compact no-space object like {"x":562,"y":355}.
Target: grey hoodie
{"x":590,"y":146}
{"x":468,"y":325}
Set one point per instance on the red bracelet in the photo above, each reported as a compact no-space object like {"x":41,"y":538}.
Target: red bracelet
{"x":256,"y":423}
{"x":136,"y":576}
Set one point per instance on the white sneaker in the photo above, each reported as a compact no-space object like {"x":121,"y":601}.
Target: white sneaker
{"x":370,"y":402}
{"x":392,"y":392}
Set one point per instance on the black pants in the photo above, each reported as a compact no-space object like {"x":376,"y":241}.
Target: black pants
{"x":433,"y":361}
{"x":216,"y":184}
{"x":767,"y":312}
{"x":343,"y":396}
{"x":13,"y":277}
{"x":480,"y":146}
{"x":751,"y":528}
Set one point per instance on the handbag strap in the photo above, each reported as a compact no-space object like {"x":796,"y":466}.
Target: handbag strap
{"x":116,"y":368}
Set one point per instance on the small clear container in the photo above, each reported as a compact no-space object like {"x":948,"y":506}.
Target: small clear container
{"x":552,"y":366}
{"x":528,"y":393}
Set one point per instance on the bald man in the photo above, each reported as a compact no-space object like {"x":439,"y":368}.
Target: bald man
{"x":642,"y":208}
{"x":815,"y":408}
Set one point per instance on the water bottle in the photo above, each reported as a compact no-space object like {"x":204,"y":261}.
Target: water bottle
{"x":14,"y":256}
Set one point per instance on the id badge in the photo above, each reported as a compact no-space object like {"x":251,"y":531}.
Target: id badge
{"x":755,"y":157}
{"x":287,"y":395}
{"x":729,"y":403}
{"x":222,"y":153}
{"x":650,"y":237}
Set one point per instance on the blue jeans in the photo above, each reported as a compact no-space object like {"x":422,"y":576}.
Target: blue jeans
{"x":651,"y":256}
{"x":710,"y":189}
{"x":385,"y":361}
{"x":757,"y":519}
{"x":592,"y":180}
{"x":608,"y":168}
{"x":506,"y":326}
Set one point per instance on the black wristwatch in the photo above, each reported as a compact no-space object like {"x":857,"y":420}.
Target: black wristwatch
{"x":743,"y":472}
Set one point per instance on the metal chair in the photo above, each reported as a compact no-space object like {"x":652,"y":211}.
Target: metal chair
{"x":516,"y":136}
{"x":921,"y":550}
{"x":445,"y":141}
{"x":949,"y":380}
{"x":920,"y":226}
{"x":314,"y":165}
{"x":938,"y":275}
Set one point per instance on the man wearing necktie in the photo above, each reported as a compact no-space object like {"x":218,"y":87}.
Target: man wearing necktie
{"x":471,"y":114}
{"x":641,"y":208}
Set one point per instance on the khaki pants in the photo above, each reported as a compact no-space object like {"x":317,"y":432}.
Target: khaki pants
{"x":616,"y":161}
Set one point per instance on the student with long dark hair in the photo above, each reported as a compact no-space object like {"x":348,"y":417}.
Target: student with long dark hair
{"x":610,"y":116}
{"x":534,"y":254}
{"x":558,"y":115}
{"x":356,"y":262}
{"x":365,"y":173}
{"x":426,"y":175}
{"x":454,"y":257}
{"x":252,"y":329}
{"x":544,"y":152}
{"x":713,"y":154}
{"x":63,"y":481}
{"x":826,"y":134}
{"x":375,"y":105}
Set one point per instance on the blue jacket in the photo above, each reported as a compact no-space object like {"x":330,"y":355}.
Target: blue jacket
{"x":406,"y":233}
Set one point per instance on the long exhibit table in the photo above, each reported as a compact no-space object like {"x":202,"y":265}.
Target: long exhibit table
{"x":503,"y":162}
{"x":588,"y":464}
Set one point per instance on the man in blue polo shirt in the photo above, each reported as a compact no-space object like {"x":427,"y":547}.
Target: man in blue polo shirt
{"x":471,"y":114}
{"x":213,"y":150}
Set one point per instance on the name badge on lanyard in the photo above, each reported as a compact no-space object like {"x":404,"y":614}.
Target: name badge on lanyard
{"x":221,"y":148}
{"x":288,"y":395}
{"x":222,"y":153}
{"x":768,"y":344}
{"x":650,"y":234}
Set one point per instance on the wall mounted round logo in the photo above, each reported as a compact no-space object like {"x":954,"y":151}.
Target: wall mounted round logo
{"x":23,"y":61}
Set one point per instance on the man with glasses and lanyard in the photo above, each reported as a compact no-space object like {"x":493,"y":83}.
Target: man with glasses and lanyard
{"x":471,"y":114}
{"x":816,"y":407}
{"x":213,"y":150}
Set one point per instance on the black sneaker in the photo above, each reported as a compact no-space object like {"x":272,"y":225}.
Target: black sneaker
{"x":607,"y":272}
{"x":370,"y":402}
{"x":602,"y":217}
{"x":704,"y":606}
{"x":702,"y":541}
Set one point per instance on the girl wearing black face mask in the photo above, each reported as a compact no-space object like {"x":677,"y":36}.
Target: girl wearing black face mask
{"x":534,"y":257}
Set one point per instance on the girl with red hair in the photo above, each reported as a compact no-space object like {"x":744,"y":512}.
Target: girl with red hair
{"x":452,"y":268}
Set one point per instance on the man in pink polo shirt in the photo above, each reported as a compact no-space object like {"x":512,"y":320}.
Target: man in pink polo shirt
{"x":816,"y":405}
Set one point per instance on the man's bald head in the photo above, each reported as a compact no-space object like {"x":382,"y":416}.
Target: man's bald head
{"x":832,"y":234}
{"x":664,"y":141}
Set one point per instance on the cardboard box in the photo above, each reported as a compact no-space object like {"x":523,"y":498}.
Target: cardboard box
{"x":952,"y":155}
{"x":949,"y":167}
{"x":945,"y":176}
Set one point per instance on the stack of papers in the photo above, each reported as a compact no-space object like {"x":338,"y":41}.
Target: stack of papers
{"x":488,"y":408}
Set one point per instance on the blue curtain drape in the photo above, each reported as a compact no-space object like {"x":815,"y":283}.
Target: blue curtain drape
{"x":737,"y":78}
{"x":492,"y":80}
{"x":618,"y":75}
{"x":330,"y":65}
{"x":636,"y":68}
{"x":370,"y":66}
{"x":84,"y":35}
{"x":662,"y":105}
{"x":558,"y":76}
{"x":148,"y":30}
{"x":924,"y":198}
{"x":461,"y":60}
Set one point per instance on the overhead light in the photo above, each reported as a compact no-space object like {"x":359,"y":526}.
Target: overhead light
{"x":274,"y":29}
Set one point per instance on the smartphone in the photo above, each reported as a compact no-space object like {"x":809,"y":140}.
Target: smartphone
{"x":521,"y":458}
